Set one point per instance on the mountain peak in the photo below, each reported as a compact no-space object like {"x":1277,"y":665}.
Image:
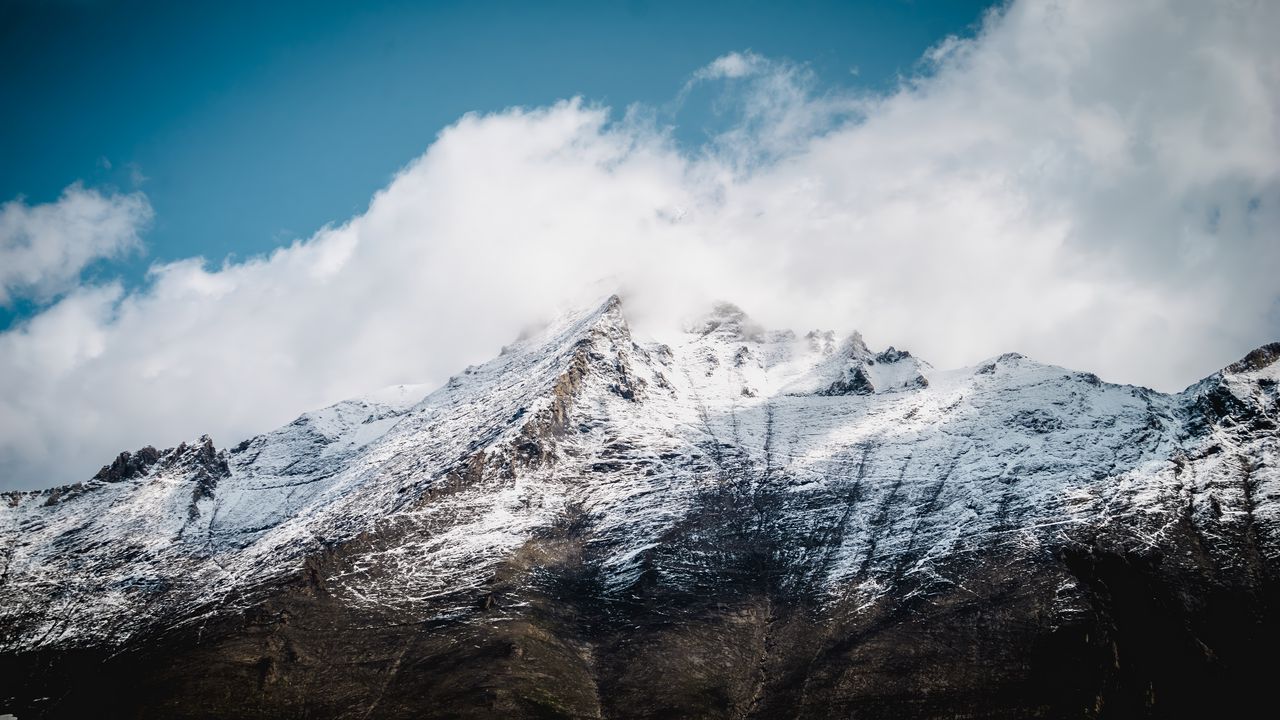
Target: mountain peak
{"x":857,"y":370}
{"x":1257,"y":359}
{"x":728,"y":320}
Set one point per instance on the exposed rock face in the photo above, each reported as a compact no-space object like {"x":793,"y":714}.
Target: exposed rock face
{"x":747,"y":524}
{"x":129,"y":465}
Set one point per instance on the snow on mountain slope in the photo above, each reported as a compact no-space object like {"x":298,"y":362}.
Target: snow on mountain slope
{"x":201,"y":528}
{"x":865,"y":469}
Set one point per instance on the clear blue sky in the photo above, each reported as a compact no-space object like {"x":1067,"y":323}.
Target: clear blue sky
{"x":251,"y":124}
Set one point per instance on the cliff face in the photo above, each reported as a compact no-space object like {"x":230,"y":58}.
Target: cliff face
{"x":746,"y":524}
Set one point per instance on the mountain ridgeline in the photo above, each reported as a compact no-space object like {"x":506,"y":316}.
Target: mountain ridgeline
{"x":744,"y":524}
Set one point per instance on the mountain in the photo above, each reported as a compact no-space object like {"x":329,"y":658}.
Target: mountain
{"x":744,"y":524}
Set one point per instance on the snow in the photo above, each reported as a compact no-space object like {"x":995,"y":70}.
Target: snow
{"x":581,"y":420}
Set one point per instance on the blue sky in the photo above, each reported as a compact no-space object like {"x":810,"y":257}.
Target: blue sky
{"x":249,"y":125}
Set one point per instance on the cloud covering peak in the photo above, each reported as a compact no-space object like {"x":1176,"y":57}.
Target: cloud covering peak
{"x":1095,"y":184}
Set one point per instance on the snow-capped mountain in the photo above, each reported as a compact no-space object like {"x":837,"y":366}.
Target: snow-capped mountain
{"x":747,"y":523}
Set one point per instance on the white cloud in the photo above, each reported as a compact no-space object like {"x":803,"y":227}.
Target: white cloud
{"x":43,"y":248}
{"x":775,"y":110}
{"x":732,"y":65}
{"x":1095,"y":184}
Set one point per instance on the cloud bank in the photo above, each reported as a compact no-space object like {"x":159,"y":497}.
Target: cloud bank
{"x":1094,"y":184}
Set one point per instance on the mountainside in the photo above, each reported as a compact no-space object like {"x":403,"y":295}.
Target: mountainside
{"x":746,"y":524}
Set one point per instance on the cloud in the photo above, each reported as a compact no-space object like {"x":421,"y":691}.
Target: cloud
{"x":732,"y":65}
{"x":774,"y":107}
{"x":43,"y":248}
{"x":1094,"y":184}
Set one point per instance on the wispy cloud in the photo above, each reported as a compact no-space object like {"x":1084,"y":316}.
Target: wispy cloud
{"x":732,"y":65}
{"x":43,"y":248}
{"x":1095,"y":184}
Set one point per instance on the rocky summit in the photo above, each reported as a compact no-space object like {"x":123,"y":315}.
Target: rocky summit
{"x":743,"y":524}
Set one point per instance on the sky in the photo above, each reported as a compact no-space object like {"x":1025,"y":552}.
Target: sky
{"x":217,"y":216}
{"x":250,"y":124}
